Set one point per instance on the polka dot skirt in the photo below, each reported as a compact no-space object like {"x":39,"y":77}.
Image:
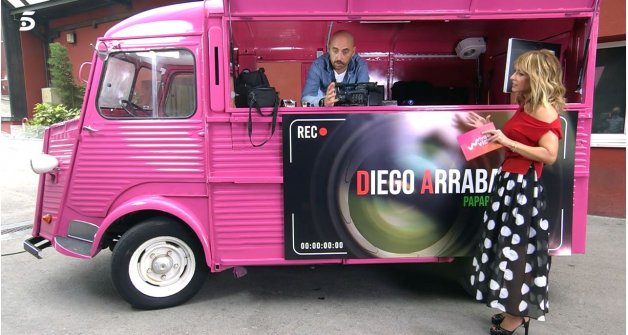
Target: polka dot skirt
{"x":512,"y":265}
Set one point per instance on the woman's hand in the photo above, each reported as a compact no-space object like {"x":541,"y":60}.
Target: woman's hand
{"x":498,"y":136}
{"x":546,"y":151}
{"x":474,"y":120}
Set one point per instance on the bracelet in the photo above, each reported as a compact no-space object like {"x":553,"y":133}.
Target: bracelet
{"x":513,"y":146}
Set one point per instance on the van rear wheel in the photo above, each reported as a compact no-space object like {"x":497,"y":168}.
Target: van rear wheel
{"x":158,"y":264}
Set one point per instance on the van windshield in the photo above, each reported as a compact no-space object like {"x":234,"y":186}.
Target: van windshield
{"x":148,"y":84}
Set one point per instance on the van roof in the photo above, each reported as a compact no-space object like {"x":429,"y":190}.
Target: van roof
{"x":185,"y":18}
{"x":372,"y":9}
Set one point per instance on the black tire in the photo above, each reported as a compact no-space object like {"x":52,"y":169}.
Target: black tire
{"x":158,"y":264}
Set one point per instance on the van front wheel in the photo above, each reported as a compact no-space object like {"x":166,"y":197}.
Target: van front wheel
{"x":158,"y":264}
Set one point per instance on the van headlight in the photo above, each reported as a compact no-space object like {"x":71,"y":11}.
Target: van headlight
{"x":44,"y":163}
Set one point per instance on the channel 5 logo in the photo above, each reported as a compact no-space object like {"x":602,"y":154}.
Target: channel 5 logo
{"x":26,"y":21}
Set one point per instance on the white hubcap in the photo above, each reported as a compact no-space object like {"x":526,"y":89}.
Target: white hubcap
{"x":162,"y":266}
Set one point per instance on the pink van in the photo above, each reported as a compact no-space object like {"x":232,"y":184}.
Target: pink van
{"x":160,"y":166}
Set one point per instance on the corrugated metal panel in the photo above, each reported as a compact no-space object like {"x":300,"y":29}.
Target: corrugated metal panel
{"x":63,"y":139}
{"x":255,"y":8}
{"x":247,"y":220}
{"x":582,"y":162}
{"x":122,"y":154}
{"x":247,"y":203}
{"x":234,"y":157}
{"x":583,"y":144}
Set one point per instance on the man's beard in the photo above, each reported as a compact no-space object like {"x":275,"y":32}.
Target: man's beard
{"x":338,"y":65}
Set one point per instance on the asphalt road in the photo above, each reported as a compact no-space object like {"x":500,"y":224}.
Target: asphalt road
{"x":61,"y":295}
{"x":18,"y":182}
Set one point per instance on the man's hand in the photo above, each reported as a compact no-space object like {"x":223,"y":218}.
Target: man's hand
{"x":330,"y":96}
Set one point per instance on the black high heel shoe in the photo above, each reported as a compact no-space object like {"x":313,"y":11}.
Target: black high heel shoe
{"x":497,"y":319}
{"x":498,"y":330}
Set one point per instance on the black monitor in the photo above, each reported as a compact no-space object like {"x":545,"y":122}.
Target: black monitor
{"x":516,"y":47}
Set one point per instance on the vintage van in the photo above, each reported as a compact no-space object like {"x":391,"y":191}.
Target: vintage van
{"x":160,"y":166}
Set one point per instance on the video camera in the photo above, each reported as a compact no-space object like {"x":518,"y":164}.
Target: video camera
{"x":359,"y":94}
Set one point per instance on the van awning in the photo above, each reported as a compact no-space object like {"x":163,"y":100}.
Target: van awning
{"x":357,"y":8}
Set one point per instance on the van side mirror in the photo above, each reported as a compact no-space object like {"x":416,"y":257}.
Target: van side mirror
{"x":44,"y":163}
{"x":80,"y":73}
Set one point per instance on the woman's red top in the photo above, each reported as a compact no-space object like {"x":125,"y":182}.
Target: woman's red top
{"x":527,"y":130}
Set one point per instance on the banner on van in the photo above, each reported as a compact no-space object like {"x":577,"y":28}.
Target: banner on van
{"x":398,"y":185}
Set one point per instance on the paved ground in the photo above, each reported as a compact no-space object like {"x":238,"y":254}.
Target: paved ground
{"x":17,"y":181}
{"x":61,"y":295}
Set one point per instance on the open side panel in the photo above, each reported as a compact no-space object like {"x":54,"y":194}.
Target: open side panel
{"x":421,"y":53}
{"x":404,"y":7}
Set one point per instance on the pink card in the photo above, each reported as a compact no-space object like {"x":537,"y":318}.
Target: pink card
{"x":474,"y":143}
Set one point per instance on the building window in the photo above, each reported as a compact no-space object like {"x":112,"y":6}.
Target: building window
{"x":609,"y":102}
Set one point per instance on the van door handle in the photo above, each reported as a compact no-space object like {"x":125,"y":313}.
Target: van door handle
{"x":90,"y":129}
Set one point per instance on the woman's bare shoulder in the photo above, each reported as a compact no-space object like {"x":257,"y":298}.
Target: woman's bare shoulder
{"x":546,"y":114}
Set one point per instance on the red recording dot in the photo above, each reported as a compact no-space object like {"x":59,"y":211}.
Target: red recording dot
{"x":323,"y":131}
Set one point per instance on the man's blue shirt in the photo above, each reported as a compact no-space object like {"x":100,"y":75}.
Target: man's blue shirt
{"x":321,"y":74}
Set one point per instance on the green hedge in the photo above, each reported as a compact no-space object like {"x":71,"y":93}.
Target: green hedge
{"x":47,"y":114}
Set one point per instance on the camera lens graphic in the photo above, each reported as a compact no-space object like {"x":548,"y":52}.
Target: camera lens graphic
{"x":383,"y":224}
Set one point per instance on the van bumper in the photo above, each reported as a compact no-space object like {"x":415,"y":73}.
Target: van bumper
{"x":35,"y":245}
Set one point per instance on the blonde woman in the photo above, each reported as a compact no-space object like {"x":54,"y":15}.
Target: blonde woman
{"x":512,"y":264}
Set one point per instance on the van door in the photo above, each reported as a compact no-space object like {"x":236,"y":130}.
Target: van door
{"x":143,"y":131}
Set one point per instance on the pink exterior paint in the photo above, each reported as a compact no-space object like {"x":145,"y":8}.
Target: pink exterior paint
{"x":405,"y":7}
{"x":203,"y":169}
{"x":583,"y":153}
{"x":61,"y":143}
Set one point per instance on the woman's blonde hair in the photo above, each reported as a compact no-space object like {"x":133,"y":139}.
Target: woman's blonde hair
{"x":546,"y":80}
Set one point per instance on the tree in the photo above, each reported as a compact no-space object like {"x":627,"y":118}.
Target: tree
{"x":61,"y":77}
